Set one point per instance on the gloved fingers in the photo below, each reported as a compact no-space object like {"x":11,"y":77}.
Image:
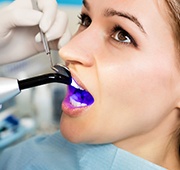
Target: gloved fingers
{"x":26,"y":4}
{"x":49,"y":9}
{"x":58,"y":43}
{"x":57,"y":29}
{"x":12,"y":18}
{"x":59,"y":26}
{"x":30,"y":17}
{"x":64,"y":39}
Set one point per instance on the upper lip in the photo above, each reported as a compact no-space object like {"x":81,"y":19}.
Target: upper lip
{"x":77,"y":80}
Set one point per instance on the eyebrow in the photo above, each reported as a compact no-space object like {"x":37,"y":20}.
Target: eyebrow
{"x":111,"y":12}
{"x":86,"y":4}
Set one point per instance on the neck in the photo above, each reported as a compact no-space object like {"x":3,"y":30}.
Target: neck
{"x":158,"y":146}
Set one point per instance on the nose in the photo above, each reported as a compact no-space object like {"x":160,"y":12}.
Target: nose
{"x":79,"y":49}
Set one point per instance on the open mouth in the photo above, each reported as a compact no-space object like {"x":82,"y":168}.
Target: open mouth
{"x":78,"y":96}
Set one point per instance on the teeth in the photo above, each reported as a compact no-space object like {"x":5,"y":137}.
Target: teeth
{"x":74,"y":84}
{"x":77,"y":104}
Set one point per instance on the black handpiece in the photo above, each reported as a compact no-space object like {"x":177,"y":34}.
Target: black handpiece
{"x":44,"y":79}
{"x":63,"y":76}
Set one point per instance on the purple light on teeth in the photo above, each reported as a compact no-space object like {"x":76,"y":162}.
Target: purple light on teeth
{"x":81,"y":96}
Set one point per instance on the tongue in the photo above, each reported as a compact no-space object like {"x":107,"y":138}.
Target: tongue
{"x":82,"y":96}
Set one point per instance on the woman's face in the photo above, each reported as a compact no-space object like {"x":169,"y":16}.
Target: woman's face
{"x":123,"y":55}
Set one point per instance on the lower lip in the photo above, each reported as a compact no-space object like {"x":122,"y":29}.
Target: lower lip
{"x":71,"y":110}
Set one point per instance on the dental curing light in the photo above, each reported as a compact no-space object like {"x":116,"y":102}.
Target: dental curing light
{"x":10,"y":87}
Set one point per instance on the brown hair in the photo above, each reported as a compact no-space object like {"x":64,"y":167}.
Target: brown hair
{"x":174,"y":14}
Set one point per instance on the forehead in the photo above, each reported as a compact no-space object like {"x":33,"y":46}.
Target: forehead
{"x":139,"y":7}
{"x":148,"y":12}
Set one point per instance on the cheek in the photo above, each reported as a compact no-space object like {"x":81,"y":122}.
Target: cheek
{"x":141,"y":92}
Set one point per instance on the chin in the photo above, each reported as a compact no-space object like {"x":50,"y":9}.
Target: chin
{"x":72,"y":130}
{"x":77,"y":130}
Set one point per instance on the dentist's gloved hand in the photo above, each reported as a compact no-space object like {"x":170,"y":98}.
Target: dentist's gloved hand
{"x":19,"y":29}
